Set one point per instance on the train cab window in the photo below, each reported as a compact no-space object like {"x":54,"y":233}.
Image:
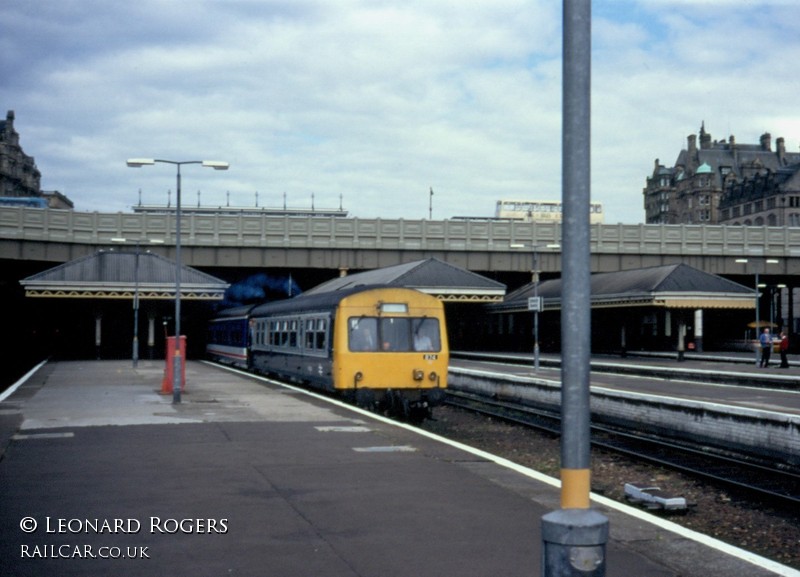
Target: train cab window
{"x":363,"y":333}
{"x":426,"y":334}
{"x":395,"y":334}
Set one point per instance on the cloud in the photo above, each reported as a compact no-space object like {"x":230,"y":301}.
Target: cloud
{"x":374,"y":102}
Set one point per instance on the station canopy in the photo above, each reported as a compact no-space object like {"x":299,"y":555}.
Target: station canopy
{"x":446,"y":282}
{"x":112,"y":274}
{"x":676,"y":286}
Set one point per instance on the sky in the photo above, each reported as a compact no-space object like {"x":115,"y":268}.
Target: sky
{"x":370,"y":104}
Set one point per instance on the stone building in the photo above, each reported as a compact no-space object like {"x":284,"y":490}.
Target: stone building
{"x":724,"y":182}
{"x":765,"y":197}
{"x":19,"y":176}
{"x":20,"y":180}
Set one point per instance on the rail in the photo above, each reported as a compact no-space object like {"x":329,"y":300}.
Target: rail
{"x":776,"y":485}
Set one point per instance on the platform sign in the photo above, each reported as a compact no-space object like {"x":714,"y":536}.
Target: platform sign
{"x":535,"y":304}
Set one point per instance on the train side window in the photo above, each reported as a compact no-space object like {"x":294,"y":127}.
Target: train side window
{"x":308,"y":331}
{"x":284,"y":333}
{"x":426,"y":334}
{"x":274,"y":335}
{"x":363,"y":333}
{"x":281,"y":333}
{"x":322,"y":330}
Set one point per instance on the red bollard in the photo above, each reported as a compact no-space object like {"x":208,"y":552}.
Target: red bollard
{"x":169,"y":371}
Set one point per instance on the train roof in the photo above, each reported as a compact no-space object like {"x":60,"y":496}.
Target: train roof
{"x":318,"y":301}
{"x":234,"y":312}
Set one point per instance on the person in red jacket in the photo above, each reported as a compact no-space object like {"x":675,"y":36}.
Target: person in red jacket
{"x":784,"y":350}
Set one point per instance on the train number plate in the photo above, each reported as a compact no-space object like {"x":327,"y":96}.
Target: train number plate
{"x":430,"y":357}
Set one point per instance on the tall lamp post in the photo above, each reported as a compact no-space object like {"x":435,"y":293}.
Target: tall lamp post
{"x":758,"y":320}
{"x":538,"y":303}
{"x":135,"y":352}
{"x":534,"y":303}
{"x":216,"y":165}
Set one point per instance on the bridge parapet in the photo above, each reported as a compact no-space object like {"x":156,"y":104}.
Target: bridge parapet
{"x":648,"y":244}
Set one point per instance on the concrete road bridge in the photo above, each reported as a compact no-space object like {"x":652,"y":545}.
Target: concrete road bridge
{"x":335,"y":243}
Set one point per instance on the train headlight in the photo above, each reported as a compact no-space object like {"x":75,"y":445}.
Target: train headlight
{"x":359,"y":376}
{"x":419,"y":374}
{"x":433,"y":377}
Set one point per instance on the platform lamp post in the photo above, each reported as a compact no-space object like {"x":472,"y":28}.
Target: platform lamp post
{"x":135,"y":352}
{"x":216,"y":165}
{"x":535,"y":303}
{"x":772,"y":306}
{"x":758,"y":319}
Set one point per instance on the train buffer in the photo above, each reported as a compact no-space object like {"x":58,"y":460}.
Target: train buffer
{"x":653,"y":497}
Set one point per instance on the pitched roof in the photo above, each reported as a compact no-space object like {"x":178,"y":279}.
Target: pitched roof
{"x":671,"y":286}
{"x":432,"y":276}
{"x":118,"y":274}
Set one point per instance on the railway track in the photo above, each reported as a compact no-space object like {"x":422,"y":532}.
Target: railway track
{"x":758,"y":480}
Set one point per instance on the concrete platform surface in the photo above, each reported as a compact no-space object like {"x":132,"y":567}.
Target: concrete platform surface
{"x":102,"y":475}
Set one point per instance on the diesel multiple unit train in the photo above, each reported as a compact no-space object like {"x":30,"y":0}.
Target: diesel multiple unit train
{"x":380,"y":347}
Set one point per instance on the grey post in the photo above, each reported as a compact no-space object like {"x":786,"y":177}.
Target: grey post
{"x":574,"y":537}
{"x":536,"y":311}
{"x":135,"y":352}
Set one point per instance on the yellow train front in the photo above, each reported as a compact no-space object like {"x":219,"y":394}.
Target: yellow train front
{"x":383,"y":347}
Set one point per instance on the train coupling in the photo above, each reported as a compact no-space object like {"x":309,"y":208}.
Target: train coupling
{"x":435,"y":397}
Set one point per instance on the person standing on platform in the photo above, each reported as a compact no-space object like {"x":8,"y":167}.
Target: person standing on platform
{"x":784,"y":350}
{"x":766,"y":348}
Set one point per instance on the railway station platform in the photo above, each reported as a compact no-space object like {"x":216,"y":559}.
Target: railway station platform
{"x":102,"y":475}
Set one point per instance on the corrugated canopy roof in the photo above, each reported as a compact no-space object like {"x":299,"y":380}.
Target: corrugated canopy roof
{"x":671,"y":286}
{"x":432,"y":276}
{"x":117,"y":274}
